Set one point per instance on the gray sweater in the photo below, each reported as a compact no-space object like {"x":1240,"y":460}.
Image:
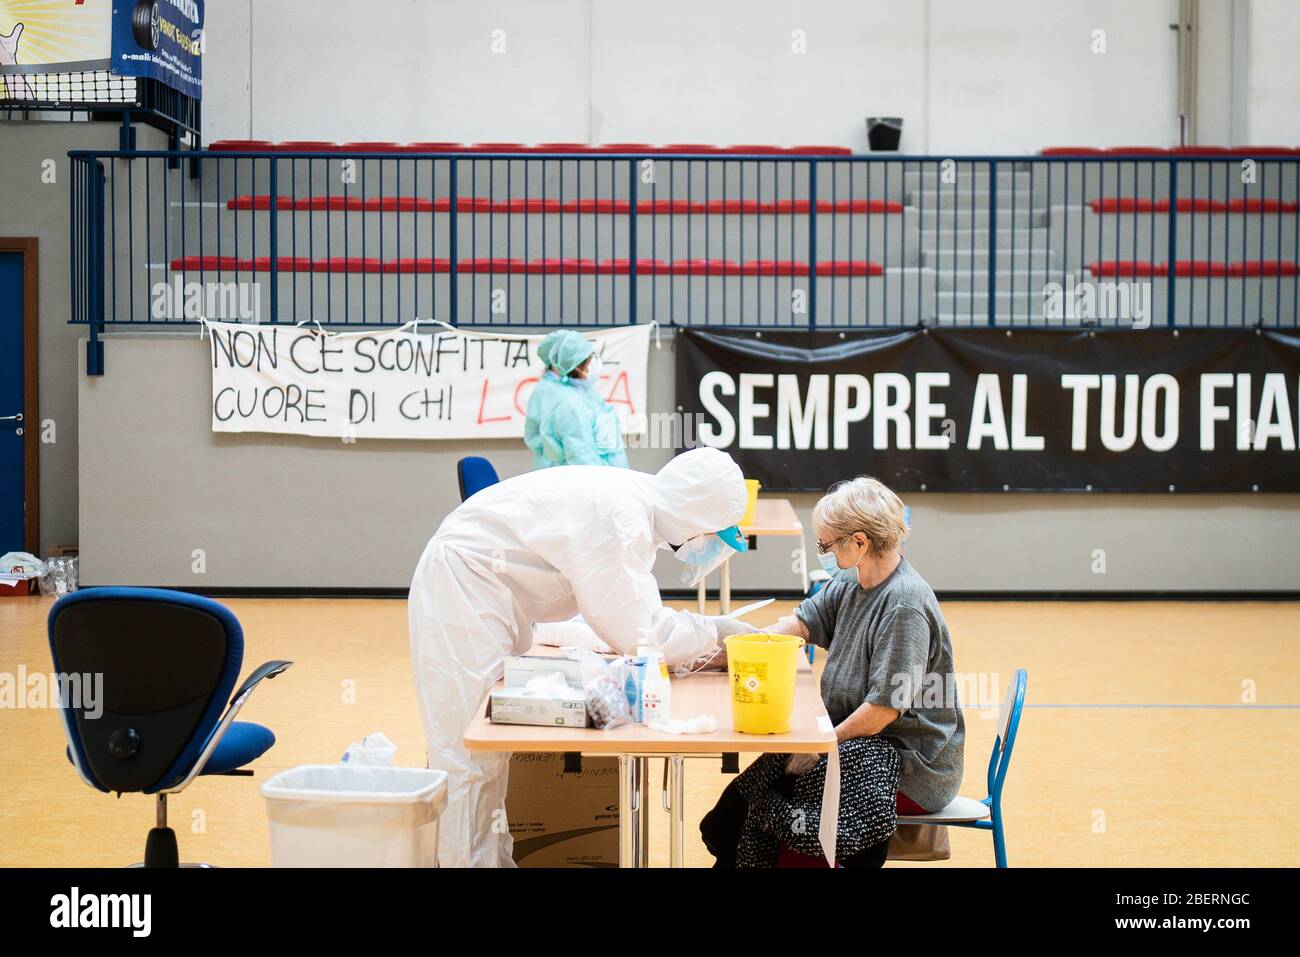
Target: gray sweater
{"x":889,"y":645}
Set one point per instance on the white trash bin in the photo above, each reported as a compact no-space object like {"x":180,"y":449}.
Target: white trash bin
{"x":337,"y":815}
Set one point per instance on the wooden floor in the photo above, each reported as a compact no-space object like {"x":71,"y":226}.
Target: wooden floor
{"x":1135,"y":749}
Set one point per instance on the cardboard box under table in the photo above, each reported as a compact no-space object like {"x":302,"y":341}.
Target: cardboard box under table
{"x":635,"y":745}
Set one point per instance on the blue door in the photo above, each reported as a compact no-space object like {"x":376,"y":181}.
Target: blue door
{"x":12,"y":490}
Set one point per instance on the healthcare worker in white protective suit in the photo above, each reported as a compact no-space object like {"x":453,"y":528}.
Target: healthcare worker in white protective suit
{"x":543,"y":547}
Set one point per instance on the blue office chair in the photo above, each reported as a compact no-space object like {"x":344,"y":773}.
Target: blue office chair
{"x":166,"y":662}
{"x":986,"y":815}
{"x":475,"y":474}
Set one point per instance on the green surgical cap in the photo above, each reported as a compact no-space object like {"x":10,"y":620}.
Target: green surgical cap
{"x":565,"y":350}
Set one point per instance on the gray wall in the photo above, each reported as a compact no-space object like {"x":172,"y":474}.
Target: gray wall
{"x":270,"y":510}
{"x":31,"y":207}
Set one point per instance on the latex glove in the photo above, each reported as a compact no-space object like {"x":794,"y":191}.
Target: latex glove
{"x":801,"y":763}
{"x":726,"y":626}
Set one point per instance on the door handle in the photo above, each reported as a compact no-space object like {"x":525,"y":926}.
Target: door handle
{"x":11,"y":418}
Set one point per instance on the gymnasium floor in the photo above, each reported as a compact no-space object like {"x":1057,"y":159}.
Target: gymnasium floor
{"x":1191,"y":777}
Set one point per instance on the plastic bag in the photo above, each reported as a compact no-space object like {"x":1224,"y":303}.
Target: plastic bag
{"x":603,"y":685}
{"x":372,"y":751}
{"x":59,"y":577}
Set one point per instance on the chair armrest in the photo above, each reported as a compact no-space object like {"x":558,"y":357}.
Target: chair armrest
{"x":269,"y":670}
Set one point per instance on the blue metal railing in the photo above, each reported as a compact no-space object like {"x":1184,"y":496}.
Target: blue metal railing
{"x":721,"y":240}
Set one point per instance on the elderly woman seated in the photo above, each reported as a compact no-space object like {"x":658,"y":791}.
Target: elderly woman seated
{"x":888,"y":677}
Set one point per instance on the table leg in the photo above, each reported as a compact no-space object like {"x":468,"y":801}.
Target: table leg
{"x":643,"y":805}
{"x":702,"y":595}
{"x":676,"y":810}
{"x":724,"y":589}
{"x":628,"y":812}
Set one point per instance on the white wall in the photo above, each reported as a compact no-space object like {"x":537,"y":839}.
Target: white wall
{"x":967,"y":75}
{"x":1273,"y":92}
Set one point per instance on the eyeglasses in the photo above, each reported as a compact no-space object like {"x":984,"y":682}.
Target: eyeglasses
{"x":823,"y":549}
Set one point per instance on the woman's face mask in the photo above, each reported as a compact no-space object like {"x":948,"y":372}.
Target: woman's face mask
{"x":832,"y":567}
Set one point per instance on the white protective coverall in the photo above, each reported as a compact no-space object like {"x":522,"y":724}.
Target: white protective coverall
{"x":542,"y":547}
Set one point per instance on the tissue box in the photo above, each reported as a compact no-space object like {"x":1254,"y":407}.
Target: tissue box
{"x":523,"y":668}
{"x":515,"y":706}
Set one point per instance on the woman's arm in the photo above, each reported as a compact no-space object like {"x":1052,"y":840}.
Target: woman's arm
{"x":789,"y":625}
{"x":867,"y":720}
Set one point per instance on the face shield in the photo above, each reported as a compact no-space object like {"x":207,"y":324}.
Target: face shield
{"x":704,"y":553}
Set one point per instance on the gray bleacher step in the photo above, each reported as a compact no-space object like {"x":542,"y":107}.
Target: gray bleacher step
{"x":1008,"y":280}
{"x":949,"y":217}
{"x":978,"y":238}
{"x":965,"y":198}
{"x":964,"y":259}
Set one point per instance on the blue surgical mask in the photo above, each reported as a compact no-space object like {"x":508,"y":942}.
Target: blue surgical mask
{"x":828,"y":563}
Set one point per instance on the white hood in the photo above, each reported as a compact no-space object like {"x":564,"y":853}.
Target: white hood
{"x":699,"y":491}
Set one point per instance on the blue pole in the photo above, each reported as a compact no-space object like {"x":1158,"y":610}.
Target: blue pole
{"x":632,"y":242}
{"x":454,"y":228}
{"x":812,"y":245}
{"x":993,"y":241}
{"x":1171,"y":267}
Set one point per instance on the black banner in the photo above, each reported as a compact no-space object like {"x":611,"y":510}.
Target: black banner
{"x":977,"y":410}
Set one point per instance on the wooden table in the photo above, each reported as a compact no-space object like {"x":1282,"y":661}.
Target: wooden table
{"x":635,"y":744}
{"x":772,"y":517}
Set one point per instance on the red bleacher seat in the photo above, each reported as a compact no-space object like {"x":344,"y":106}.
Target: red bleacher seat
{"x":655,"y":207}
{"x":627,"y":148}
{"x":1138,"y":151}
{"x":1196,"y":267}
{"x":850,"y":267}
{"x":434,"y":147}
{"x":1264,"y":267}
{"x":366,"y":146}
{"x":1125,"y":267}
{"x":1070,"y":150}
{"x":528,"y":206}
{"x":561,"y":148}
{"x":1261,"y":206}
{"x":348,"y":264}
{"x":821,"y":151}
{"x":283,"y":264}
{"x":773,"y":267}
{"x":416,"y":265}
{"x":489,"y":265}
{"x":496,"y":148}
{"x":595,"y":206}
{"x":691,"y":148}
{"x":756,"y":149}
{"x":195,"y":263}
{"x":1264,"y":150}
{"x":241,"y":146}
{"x":644,"y":267}
{"x":397,"y":204}
{"x":306,"y":146}
{"x":704,"y":267}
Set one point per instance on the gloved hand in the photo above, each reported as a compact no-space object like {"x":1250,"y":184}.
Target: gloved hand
{"x":801,"y":763}
{"x":726,"y":626}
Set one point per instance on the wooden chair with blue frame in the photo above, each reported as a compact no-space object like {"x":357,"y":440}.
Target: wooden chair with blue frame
{"x":986,"y":814}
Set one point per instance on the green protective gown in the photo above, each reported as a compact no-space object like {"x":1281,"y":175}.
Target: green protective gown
{"x":567,"y":423}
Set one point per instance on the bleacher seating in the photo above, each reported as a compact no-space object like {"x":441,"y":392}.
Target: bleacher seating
{"x":719,"y":240}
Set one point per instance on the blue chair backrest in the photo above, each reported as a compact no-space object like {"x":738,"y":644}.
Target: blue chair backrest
{"x":1008,"y":725}
{"x":475,"y":474}
{"x":168,"y":663}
